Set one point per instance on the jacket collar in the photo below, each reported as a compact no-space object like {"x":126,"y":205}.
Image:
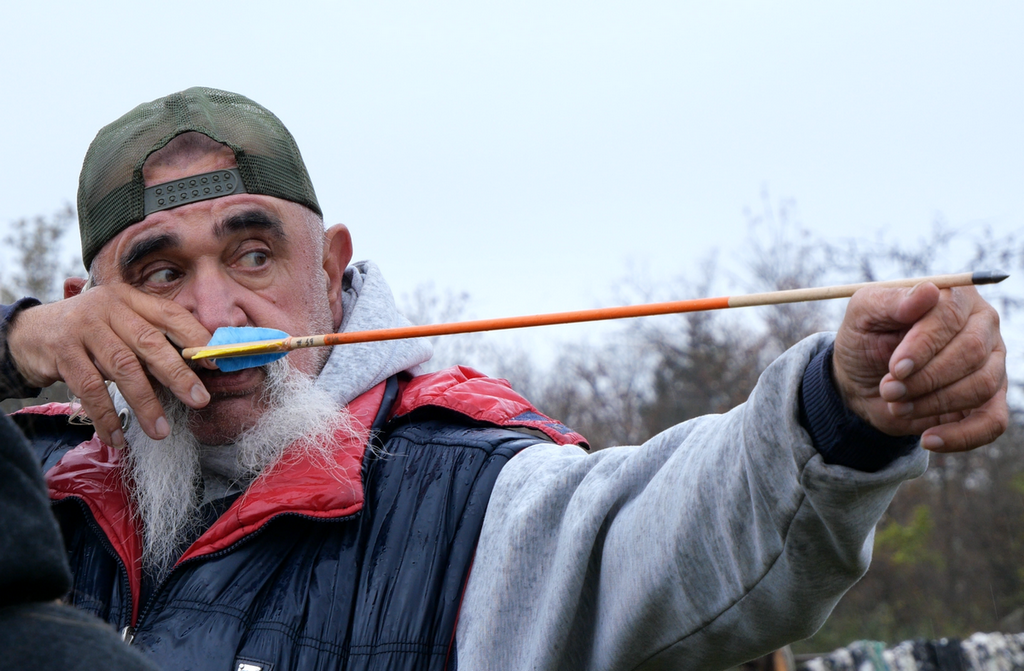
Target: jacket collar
{"x":484,"y":399}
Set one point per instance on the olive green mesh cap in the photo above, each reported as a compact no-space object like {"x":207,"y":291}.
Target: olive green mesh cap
{"x":111,"y":190}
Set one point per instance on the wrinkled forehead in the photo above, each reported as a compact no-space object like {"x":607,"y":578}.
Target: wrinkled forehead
{"x":187,"y":154}
{"x":190,"y":168}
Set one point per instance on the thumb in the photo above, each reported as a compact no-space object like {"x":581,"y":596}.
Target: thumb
{"x":894,"y":309}
{"x":876,"y":323}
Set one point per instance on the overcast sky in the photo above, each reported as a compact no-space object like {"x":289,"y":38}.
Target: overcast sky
{"x":534,"y":153}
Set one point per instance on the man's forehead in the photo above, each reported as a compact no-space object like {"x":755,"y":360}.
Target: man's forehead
{"x":156,"y":171}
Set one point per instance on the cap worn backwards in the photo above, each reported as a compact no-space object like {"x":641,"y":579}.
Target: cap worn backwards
{"x":112,"y":195}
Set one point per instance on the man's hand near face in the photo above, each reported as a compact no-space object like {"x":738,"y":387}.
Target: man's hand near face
{"x":924,"y":361}
{"x":112,"y":333}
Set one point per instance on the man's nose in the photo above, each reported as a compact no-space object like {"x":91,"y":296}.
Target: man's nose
{"x":213,"y":299}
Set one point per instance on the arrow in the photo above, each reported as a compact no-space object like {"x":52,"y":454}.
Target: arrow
{"x":287,"y":344}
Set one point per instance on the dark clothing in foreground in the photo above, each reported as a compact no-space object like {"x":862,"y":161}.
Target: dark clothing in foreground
{"x":36,"y":632}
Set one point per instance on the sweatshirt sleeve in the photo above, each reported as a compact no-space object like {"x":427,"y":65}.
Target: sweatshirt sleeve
{"x":720,"y":539}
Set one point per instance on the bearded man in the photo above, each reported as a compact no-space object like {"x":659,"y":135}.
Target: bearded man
{"x":340,"y":510}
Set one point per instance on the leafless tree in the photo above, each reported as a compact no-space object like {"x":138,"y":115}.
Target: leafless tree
{"x":39,"y":263}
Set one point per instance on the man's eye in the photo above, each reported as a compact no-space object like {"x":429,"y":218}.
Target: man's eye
{"x":163,"y":276}
{"x":254,"y":259}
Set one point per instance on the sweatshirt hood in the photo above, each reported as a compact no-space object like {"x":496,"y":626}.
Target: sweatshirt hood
{"x":367,"y":304}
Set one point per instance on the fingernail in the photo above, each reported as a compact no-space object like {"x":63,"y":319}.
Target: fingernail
{"x":117,"y":439}
{"x":903,"y":368}
{"x":901,"y":409}
{"x":163,"y":429}
{"x":932,"y":443}
{"x":893,"y":390}
{"x":199,"y":394}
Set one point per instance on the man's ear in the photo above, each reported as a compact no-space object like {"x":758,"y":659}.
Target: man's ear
{"x":73,"y":286}
{"x":337,"y":254}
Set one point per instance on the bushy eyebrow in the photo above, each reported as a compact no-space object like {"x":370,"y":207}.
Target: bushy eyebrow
{"x":236,"y":223}
{"x":248,"y":220}
{"x":143,"y":248}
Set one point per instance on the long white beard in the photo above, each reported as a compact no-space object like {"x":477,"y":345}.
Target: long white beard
{"x":165,"y":477}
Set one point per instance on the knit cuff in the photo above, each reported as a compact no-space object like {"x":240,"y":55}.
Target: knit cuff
{"x":12,"y":384}
{"x":840,"y":436}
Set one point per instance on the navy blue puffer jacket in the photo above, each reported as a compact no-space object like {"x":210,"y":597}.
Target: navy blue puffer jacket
{"x":359,"y":567}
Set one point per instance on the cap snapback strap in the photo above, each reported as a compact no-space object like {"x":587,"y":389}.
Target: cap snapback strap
{"x":192,"y":189}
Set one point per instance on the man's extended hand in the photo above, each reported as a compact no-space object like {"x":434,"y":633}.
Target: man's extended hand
{"x":924,"y":361}
{"x":114,"y":333}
